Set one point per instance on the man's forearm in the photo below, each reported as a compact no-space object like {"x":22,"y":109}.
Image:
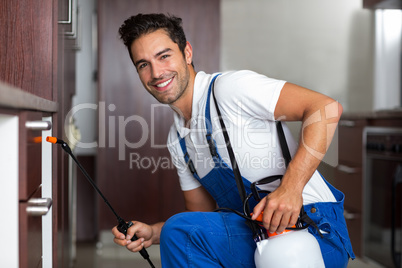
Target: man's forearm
{"x":317,"y":132}
{"x":156,"y":232}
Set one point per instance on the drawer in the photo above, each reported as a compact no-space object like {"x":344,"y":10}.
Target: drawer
{"x":348,"y":179}
{"x":30,"y":235}
{"x":351,"y":141}
{"x":30,"y":153}
{"x":355,"y":228}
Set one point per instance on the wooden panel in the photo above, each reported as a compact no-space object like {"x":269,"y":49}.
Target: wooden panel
{"x":30,"y":167}
{"x":135,"y":187}
{"x":349,"y":181}
{"x":26,"y":42}
{"x":29,"y":156}
{"x":355,"y":229}
{"x":351,"y":141}
{"x":348,"y":177}
{"x":30,"y":236}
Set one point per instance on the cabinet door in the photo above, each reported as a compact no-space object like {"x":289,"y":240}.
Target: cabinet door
{"x":349,"y":177}
{"x":30,"y":193}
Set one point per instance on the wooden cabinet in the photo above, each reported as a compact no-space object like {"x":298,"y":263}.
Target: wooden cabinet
{"x":37,"y":66}
{"x":349,"y":177}
{"x":382,"y":4}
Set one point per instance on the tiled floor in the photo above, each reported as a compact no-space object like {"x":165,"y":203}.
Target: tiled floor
{"x":106,"y":254}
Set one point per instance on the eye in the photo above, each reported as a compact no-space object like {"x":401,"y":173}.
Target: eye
{"x":142,"y":65}
{"x":164,"y":57}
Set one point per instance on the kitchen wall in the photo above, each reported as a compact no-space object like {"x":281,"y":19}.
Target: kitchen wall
{"x":323,"y":45}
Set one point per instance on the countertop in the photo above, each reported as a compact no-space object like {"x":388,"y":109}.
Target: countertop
{"x":15,"y":98}
{"x":380,"y":114}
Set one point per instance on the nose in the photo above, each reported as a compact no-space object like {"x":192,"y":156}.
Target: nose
{"x":157,"y":70}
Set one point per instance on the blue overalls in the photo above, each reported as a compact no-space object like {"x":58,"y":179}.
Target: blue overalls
{"x":223,"y":239}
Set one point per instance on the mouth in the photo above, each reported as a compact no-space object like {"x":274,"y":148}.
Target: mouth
{"x":163,"y":85}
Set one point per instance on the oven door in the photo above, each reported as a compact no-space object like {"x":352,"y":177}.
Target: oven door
{"x":382,"y":234}
{"x":382,"y":198}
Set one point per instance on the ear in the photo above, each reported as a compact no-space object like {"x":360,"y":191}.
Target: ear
{"x":188,"y":53}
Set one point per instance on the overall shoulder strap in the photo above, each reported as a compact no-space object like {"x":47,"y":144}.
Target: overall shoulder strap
{"x":283,"y":143}
{"x":208,"y":122}
{"x":236,"y":171}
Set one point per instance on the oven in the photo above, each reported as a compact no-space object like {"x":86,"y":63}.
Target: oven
{"x":382,"y":188}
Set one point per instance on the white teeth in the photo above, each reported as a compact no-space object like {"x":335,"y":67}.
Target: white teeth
{"x":164,"y":83}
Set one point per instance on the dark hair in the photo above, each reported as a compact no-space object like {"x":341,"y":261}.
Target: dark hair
{"x":140,"y":24}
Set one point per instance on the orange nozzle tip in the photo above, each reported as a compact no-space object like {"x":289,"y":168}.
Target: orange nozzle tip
{"x":51,"y":139}
{"x":37,"y":140}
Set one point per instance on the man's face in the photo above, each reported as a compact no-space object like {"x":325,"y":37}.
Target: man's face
{"x":161,"y":66}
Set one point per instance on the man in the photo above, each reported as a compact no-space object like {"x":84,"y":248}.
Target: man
{"x":250,"y":104}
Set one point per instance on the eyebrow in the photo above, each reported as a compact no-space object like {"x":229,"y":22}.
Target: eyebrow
{"x":156,"y":55}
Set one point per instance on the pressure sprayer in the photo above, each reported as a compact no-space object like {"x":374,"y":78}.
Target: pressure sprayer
{"x":293,"y":248}
{"x":122,"y":224}
{"x":290,"y":249}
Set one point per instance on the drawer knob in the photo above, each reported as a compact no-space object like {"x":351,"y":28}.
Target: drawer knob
{"x":347,"y":169}
{"x":38,"y":125}
{"x":39,"y":206}
{"x":347,"y":123}
{"x":349,"y":215}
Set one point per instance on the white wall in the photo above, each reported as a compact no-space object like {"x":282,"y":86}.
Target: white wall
{"x":323,"y":45}
{"x":387,"y":77}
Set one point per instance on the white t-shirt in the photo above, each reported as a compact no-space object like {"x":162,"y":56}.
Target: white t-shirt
{"x":247,"y":103}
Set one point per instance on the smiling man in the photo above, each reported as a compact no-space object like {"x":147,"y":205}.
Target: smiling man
{"x":250,"y":105}
{"x":162,"y":67}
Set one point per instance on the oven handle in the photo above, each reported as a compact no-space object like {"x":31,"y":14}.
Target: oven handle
{"x":396,"y":256}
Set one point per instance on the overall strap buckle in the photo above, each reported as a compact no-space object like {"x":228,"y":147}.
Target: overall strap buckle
{"x":211,"y":144}
{"x":190,"y":164}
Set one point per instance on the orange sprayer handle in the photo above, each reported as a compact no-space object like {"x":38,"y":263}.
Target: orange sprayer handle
{"x":259,"y":218}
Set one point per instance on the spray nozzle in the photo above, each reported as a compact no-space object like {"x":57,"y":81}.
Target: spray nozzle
{"x":63,"y":144}
{"x":54,"y":140}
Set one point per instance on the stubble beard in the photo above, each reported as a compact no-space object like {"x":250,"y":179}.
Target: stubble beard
{"x":182,"y":85}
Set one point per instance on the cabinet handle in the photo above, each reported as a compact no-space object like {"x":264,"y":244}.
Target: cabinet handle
{"x":69,"y":19}
{"x":350,"y":216}
{"x":72,"y":19}
{"x":38,"y":125}
{"x":347,"y":123}
{"x":39,"y":206}
{"x":347,"y":169}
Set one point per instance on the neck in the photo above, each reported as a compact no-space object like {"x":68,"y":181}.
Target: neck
{"x":184,"y":105}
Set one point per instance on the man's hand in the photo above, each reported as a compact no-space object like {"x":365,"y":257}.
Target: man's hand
{"x":144,"y":232}
{"x":281,"y":209}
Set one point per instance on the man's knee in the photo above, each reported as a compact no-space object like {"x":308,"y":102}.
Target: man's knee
{"x":177,"y":228}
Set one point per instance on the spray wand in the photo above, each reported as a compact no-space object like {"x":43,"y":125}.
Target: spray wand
{"x":123,"y":225}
